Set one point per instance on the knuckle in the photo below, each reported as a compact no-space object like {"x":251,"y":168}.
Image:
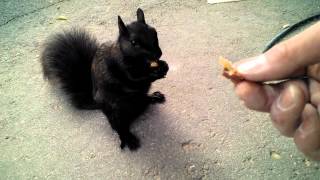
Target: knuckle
{"x":282,"y":51}
{"x":314,"y":71}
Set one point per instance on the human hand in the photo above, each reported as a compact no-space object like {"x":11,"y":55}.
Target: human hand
{"x":294,"y":105}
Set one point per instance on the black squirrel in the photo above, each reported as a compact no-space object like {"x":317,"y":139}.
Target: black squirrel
{"x":114,"y":77}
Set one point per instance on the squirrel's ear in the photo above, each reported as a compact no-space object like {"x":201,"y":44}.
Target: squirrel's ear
{"x":122,"y":27}
{"x":140,"y":16}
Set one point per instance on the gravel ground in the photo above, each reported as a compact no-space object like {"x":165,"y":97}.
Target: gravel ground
{"x":201,"y":132}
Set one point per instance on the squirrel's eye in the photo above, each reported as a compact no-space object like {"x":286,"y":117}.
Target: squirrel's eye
{"x":134,"y":43}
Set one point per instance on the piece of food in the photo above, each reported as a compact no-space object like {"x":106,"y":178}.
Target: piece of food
{"x":228,"y":68}
{"x":154,"y":64}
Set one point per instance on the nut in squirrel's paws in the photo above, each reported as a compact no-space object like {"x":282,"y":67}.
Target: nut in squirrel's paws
{"x":154,"y":64}
{"x":228,"y":69}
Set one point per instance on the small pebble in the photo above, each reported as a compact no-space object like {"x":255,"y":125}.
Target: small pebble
{"x":285,"y":26}
{"x":275,"y":155}
{"x":63,"y":18}
{"x":307,"y":162}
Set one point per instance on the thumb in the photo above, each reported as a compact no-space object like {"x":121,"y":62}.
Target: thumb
{"x":284,"y":60}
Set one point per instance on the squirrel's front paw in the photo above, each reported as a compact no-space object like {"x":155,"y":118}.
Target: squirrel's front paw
{"x":160,"y":71}
{"x":163,"y":68}
{"x":157,"y":97}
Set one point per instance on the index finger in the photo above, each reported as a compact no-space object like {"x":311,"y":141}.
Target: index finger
{"x":285,"y":59}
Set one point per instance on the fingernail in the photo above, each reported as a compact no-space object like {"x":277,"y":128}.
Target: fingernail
{"x":286,"y":100}
{"x":253,"y":65}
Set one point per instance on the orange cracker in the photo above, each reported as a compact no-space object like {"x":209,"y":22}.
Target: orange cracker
{"x":228,"y":69}
{"x":154,"y":64}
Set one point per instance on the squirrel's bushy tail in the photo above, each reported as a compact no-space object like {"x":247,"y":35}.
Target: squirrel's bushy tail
{"x":67,"y":57}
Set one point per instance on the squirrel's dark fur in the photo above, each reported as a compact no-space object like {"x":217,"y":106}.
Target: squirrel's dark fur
{"x":114,"y":77}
